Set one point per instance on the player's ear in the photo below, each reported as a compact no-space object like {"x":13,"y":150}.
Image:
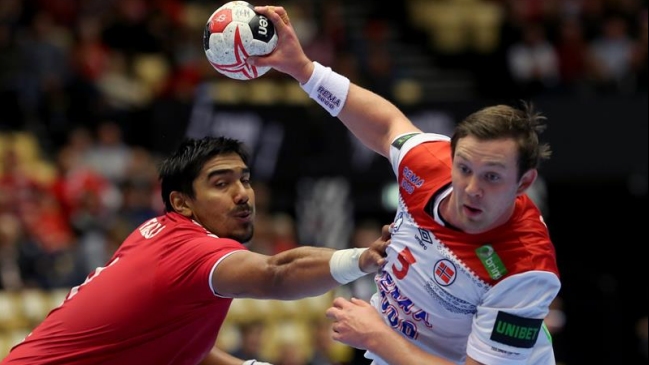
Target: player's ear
{"x":527,"y":180}
{"x":180,"y":203}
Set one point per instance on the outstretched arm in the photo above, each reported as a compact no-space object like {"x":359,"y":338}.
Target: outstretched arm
{"x":358,"y":324}
{"x":297,"y":273}
{"x":374,"y":120}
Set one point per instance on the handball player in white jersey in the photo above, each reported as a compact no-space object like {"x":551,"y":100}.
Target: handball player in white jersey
{"x":471,"y":269}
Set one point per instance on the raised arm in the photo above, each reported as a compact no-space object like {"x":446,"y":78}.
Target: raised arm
{"x":296,"y":273}
{"x":374,"y":120}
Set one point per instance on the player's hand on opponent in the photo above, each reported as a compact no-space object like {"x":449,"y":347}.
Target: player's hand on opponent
{"x":355,"y":322}
{"x":374,"y":257}
{"x":255,"y":362}
{"x":288,"y":57}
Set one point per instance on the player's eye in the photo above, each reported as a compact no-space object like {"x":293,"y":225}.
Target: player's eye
{"x":492,"y":177}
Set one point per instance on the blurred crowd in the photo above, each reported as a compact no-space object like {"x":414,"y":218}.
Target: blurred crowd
{"x":577,"y":47}
{"x":63,"y":219}
{"x":137,"y":62}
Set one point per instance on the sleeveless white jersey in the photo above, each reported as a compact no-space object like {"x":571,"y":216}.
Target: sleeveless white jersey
{"x":453,"y":293}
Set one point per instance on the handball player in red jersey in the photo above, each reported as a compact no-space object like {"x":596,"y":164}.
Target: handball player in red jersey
{"x":162,"y":298}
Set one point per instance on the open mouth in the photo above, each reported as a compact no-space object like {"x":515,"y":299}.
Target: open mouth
{"x":471,"y":210}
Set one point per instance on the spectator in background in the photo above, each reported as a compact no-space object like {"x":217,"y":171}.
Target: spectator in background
{"x":611,"y":57}
{"x":533,"y":61}
{"x":110,"y":155}
{"x":48,"y":249}
{"x":11,"y":277}
{"x":46,"y":69}
{"x":290,"y":354}
{"x":89,"y":199}
{"x":120,"y":89}
{"x":324,"y":347}
{"x":572,"y":52}
{"x":251,"y":340}
{"x":90,"y":55}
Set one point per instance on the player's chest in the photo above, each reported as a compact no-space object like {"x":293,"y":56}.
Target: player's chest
{"x":424,"y":269}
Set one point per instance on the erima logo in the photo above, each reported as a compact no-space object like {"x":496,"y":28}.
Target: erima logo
{"x":329,"y":99}
{"x":516,"y":331}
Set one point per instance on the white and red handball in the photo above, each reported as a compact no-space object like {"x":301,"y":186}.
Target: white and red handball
{"x":233,"y":33}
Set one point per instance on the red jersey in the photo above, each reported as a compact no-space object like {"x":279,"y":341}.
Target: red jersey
{"x":152,"y":303}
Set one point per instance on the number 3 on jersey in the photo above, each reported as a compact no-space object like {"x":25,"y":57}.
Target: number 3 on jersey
{"x":406,"y":259}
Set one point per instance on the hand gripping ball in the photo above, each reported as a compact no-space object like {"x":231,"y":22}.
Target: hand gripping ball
{"x":233,"y":33}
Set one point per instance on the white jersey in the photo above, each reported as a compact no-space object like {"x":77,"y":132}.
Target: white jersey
{"x":453,"y":293}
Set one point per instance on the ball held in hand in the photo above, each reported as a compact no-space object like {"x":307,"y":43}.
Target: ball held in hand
{"x":233,"y":33}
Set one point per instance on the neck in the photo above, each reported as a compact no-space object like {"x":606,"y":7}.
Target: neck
{"x":446,"y":213}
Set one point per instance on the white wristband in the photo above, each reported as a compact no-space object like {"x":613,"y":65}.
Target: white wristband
{"x":255,"y":362}
{"x":344,"y":265}
{"x":327,"y":88}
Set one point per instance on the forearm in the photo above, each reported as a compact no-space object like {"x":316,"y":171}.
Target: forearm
{"x":300,"y":272}
{"x":297,"y":273}
{"x":373,"y":120}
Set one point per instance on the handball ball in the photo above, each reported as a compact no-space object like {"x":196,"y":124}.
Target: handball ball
{"x":233,"y":33}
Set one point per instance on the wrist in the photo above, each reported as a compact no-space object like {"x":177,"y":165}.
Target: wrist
{"x":327,"y":88}
{"x":305,"y":74}
{"x":344,"y":265}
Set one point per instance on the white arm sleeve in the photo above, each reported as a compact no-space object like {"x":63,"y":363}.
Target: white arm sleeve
{"x":507,"y":328}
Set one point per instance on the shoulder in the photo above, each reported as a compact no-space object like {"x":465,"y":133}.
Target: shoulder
{"x":406,"y":142}
{"x":420,"y":151}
